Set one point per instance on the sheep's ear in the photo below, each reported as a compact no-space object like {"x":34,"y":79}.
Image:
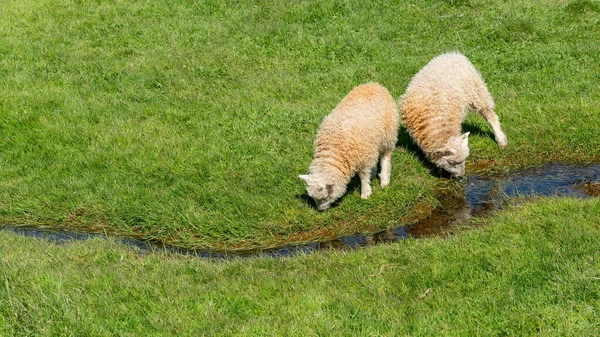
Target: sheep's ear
{"x":329,"y":188}
{"x":305,"y":177}
{"x":465,"y":138}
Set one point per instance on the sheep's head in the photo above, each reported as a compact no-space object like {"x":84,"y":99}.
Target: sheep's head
{"x":452,"y":156}
{"x":322,"y":192}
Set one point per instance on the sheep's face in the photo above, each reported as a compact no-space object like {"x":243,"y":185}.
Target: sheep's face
{"x":323,"y":194}
{"x":453,"y":155}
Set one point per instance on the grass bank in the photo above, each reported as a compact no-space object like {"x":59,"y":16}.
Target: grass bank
{"x":188,"y":122}
{"x":532,"y":270}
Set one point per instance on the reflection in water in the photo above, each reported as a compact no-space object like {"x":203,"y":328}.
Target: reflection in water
{"x":480,"y":196}
{"x":476,"y":197}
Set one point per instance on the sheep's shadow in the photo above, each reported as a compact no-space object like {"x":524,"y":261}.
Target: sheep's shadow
{"x":307,"y":200}
{"x":477,"y":131}
{"x":406,"y":143}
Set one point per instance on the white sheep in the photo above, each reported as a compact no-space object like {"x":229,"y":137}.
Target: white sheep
{"x":435,"y":105}
{"x":350,"y":140}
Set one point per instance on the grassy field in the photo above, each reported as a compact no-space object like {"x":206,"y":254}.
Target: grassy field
{"x":534,"y":270}
{"x":188,"y":122}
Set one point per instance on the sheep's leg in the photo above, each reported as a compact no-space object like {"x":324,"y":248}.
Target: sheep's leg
{"x":386,"y":168}
{"x":492,"y":119}
{"x":365,"y":182}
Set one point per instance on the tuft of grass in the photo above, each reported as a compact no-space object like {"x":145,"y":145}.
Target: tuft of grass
{"x":189,"y":122}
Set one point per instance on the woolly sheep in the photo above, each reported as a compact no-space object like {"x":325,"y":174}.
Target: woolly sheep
{"x":436,"y":103}
{"x":350,"y":140}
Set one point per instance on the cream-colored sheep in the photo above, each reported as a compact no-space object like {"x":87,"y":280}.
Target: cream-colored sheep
{"x":435,"y":105}
{"x":350,"y":140}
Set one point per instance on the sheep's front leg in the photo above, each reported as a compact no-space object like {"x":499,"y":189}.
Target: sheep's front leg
{"x":386,"y":168}
{"x":365,"y":183}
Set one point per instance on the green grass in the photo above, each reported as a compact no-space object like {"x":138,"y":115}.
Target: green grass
{"x":531,"y":270}
{"x":188,"y":122}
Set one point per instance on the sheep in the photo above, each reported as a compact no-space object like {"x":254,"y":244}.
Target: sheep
{"x":350,"y":140}
{"x":435,"y":105}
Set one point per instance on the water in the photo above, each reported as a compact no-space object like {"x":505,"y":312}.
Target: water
{"x":484,"y":195}
{"x":476,"y":197}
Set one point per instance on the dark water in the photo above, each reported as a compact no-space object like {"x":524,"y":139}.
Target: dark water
{"x":475,"y":197}
{"x":483,"y":195}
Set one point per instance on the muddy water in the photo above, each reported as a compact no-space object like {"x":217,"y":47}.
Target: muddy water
{"x":474,"y":197}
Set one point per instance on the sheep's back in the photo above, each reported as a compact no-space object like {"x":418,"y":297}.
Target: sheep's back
{"x":363,"y":123}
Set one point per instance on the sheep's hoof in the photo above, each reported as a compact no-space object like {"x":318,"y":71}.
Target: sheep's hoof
{"x":502,"y":142}
{"x":384,"y":180}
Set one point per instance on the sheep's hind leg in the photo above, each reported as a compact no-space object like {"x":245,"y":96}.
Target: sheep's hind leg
{"x":492,"y":119}
{"x":365,"y":182}
{"x":386,"y":168}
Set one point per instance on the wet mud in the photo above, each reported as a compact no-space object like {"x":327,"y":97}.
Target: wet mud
{"x":460,"y":201}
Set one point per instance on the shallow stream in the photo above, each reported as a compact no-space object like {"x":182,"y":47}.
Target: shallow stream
{"x":475,"y":197}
